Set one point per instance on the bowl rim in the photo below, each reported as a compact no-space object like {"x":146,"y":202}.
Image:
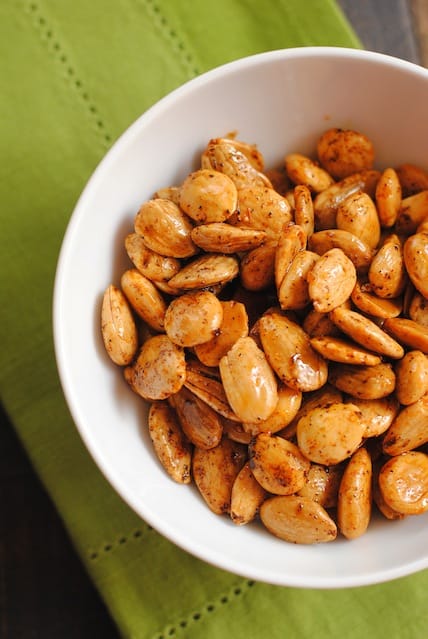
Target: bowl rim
{"x":58,"y":291}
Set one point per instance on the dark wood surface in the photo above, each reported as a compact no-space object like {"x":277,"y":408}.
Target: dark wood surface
{"x":44,"y":590}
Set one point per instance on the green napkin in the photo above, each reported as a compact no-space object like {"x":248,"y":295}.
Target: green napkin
{"x":73,"y":76}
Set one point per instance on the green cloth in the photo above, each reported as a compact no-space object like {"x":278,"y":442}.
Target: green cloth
{"x":74,"y":75}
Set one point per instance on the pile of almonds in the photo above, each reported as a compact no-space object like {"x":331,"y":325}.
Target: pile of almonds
{"x":276,"y":321}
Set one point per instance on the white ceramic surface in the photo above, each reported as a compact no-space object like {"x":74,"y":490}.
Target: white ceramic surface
{"x":282,"y":101}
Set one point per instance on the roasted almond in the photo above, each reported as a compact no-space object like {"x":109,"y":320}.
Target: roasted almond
{"x":331,"y":280}
{"x":365,"y":332}
{"x":339,"y":350}
{"x":208,"y":196}
{"x":290,"y":353}
{"x":215,"y":471}
{"x":219,"y":237}
{"x":277,"y":464}
{"x":343,"y":152}
{"x":297,"y":519}
{"x":247,"y":497}
{"x":165,"y":228}
{"x":358,"y":251}
{"x":144,"y":298}
{"x":248,"y":380}
{"x":330,"y":434}
{"x":358,"y":215}
{"x":199,"y":422}
{"x":204,"y":271}
{"x":118,"y":327}
{"x":171,"y":446}
{"x":263,"y":209}
{"x":363,"y":382}
{"x":355,"y":496}
{"x":403,"y":482}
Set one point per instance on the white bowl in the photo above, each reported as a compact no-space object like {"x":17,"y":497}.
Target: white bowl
{"x":281,"y":100}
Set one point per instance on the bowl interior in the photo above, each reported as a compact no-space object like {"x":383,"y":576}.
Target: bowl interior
{"x":281,"y":101}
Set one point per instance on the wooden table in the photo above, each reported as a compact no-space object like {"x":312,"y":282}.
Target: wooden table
{"x":44,"y":590}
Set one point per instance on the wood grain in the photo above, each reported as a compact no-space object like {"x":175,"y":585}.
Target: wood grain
{"x":419,"y":9}
{"x":385,"y":26}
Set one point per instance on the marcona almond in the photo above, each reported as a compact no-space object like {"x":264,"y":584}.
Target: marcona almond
{"x":327,"y":202}
{"x":343,"y":152}
{"x":257,"y":271}
{"x":321,"y":398}
{"x":291,"y":240}
{"x":215,"y":471}
{"x":165,"y":288}
{"x":363,"y":382}
{"x":388,"y":197}
{"x":371,"y":304}
{"x":199,"y":422}
{"x":277,"y":464}
{"x":193,"y":318}
{"x":246,"y":498}
{"x":165,"y":228}
{"x":297,"y":519}
{"x":287,"y":407}
{"x":412,"y":377}
{"x":412,"y":178}
{"x":387,"y":274}
{"x":208,"y":196}
{"x":160,"y":368}
{"x":408,"y":332}
{"x":318,"y":324}
{"x":170,"y":444}
{"x":207,"y":270}
{"x":219,"y":237}
{"x":322,"y":484}
{"x":423,"y":226}
{"x":144,"y":298}
{"x":204,"y":382}
{"x":154,"y":266}
{"x":378,"y":414}
{"x":304,"y":209}
{"x":235,"y":432}
{"x":330,"y":434}
{"x":280,"y":182}
{"x":339,"y":350}
{"x":293,"y":292}
{"x":358,"y":251}
{"x":416,"y":260}
{"x":248,"y":381}
{"x":262,"y":209}
{"x":418,"y":309}
{"x":412,"y":212}
{"x":355,"y":496}
{"x":365,"y":332}
{"x":403,"y":482}
{"x":168,"y":193}
{"x":331,"y":280}
{"x":118,"y":327}
{"x":378,"y":499}
{"x":234,"y":325}
{"x":251,"y":152}
{"x":409,"y":430}
{"x":302,"y":170}
{"x":357,"y":214}
{"x":225,"y":157}
{"x":290,"y":353}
